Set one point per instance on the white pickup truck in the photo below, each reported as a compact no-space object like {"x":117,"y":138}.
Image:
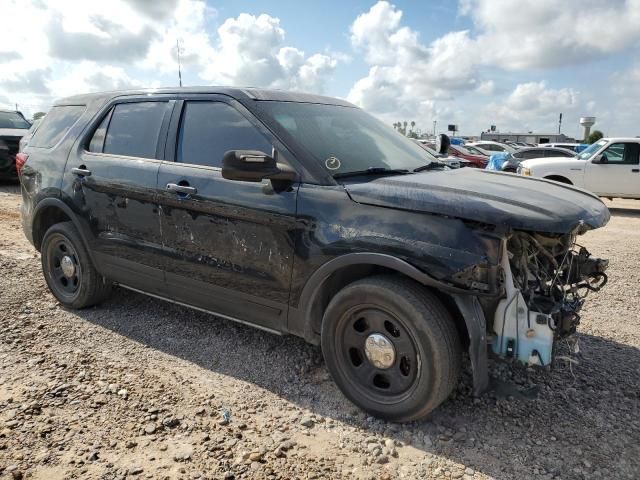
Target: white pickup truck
{"x":609,"y":168}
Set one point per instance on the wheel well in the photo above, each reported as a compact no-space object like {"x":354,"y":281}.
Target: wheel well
{"x":46,"y":217}
{"x":559,"y":178}
{"x":349,"y":274}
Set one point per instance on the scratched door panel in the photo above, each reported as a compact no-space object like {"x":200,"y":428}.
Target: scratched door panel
{"x":229,"y":246}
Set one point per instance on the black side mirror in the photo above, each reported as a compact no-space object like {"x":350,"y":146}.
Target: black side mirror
{"x":600,"y":158}
{"x":254,"y":166}
{"x":442,"y":144}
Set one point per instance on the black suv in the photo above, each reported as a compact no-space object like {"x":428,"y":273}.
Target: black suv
{"x":304,"y":215}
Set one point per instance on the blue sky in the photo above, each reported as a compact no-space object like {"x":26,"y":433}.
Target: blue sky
{"x":514,"y":64}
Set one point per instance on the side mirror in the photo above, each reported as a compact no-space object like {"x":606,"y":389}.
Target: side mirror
{"x":600,"y":158}
{"x":442,"y":144}
{"x":254,"y":166}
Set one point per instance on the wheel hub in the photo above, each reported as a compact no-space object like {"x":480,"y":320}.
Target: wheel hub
{"x":379,"y":351}
{"x":67,"y":266}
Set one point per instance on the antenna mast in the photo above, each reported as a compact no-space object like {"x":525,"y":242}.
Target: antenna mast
{"x":179,"y":66}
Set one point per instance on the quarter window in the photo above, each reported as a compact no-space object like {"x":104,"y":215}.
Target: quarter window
{"x":209,"y":129}
{"x":133,"y":130}
{"x":55,"y":125}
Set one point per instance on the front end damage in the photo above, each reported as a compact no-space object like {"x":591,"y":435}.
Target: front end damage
{"x":546,"y":278}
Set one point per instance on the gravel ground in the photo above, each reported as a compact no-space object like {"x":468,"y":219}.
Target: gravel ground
{"x":140,"y":388}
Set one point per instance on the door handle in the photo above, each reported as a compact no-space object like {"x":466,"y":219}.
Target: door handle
{"x":81,"y":171}
{"x":635,"y":170}
{"x":184,"y":189}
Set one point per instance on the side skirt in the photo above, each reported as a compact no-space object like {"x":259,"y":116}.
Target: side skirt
{"x":226,"y":317}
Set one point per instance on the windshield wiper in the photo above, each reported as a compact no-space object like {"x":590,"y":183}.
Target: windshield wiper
{"x":430,"y":166}
{"x":373,"y":171}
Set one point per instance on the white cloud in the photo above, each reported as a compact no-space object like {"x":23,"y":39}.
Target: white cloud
{"x":250,"y":51}
{"x":406,"y":76}
{"x":88,"y":76}
{"x":517,"y":35}
{"x":533,"y":104}
{"x":92,"y":45}
{"x":462,"y":73}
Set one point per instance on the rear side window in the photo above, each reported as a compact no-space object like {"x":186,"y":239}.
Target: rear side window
{"x":209,"y":129}
{"x":132,"y":131}
{"x":55,"y":125}
{"x":13,"y":120}
{"x":559,"y":153}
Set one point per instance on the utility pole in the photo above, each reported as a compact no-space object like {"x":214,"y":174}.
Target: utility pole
{"x":434,"y":127}
{"x":179,"y":66}
{"x":16,"y":107}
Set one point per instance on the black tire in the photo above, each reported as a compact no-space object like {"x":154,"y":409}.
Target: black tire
{"x":63,"y":248}
{"x":427,"y":353}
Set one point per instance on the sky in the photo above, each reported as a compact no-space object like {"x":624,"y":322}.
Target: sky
{"x":474,"y":63}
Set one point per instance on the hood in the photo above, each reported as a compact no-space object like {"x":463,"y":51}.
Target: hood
{"x":494,"y":198}
{"x":552,"y":161}
{"x":13,"y":132}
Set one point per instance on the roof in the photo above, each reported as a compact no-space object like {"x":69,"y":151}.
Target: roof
{"x":247,"y":93}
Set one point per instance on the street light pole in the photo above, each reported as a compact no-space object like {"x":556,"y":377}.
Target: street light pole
{"x":434,"y":127}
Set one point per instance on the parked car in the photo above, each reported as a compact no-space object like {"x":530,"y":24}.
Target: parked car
{"x":608,"y":168}
{"x":27,"y":136}
{"x":473,"y":160}
{"x":449,"y":160}
{"x":479,"y":161}
{"x":493,"y":147}
{"x":302,"y":214}
{"x":512,"y":163}
{"x":574,"y":147}
{"x":477,"y":151}
{"x":13,"y":126}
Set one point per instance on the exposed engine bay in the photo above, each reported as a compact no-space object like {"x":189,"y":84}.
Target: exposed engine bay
{"x":547,"y":278}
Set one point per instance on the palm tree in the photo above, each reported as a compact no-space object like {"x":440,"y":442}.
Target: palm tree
{"x":413,"y":125}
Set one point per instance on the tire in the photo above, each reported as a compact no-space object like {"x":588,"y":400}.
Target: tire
{"x":68,"y":269}
{"x":427,"y":355}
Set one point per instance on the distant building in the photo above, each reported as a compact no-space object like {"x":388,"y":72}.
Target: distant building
{"x":527,"y":137}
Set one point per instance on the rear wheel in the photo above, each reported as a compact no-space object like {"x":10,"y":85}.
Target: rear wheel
{"x":68,"y":270}
{"x":391,"y":347}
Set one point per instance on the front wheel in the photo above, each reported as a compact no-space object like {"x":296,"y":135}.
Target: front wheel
{"x":391,"y":346}
{"x":68,"y":270}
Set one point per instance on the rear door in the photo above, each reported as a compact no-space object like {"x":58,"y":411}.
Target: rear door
{"x":114,"y":190}
{"x":619,"y":174}
{"x":229,"y":244}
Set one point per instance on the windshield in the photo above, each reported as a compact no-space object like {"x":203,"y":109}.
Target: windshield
{"x":473,"y":150}
{"x":13,"y":120}
{"x":345,"y":139}
{"x":588,"y":152}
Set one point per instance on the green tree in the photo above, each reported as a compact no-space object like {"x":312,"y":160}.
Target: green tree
{"x":595,"y":136}
{"x":38,"y":115}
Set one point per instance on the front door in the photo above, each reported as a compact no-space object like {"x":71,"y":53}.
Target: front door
{"x":229,"y":244}
{"x":114,"y":192}
{"x":618,"y":173}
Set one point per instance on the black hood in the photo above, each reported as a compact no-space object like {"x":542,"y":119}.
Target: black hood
{"x":494,"y":198}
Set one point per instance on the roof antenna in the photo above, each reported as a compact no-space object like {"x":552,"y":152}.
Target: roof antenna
{"x":179,"y":66}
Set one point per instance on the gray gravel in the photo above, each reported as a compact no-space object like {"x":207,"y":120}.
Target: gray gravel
{"x":139,"y":388}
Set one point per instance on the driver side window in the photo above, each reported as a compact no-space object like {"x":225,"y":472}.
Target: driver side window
{"x":622,"y":153}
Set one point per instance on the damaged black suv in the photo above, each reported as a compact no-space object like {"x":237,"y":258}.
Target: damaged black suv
{"x":304,"y":215}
